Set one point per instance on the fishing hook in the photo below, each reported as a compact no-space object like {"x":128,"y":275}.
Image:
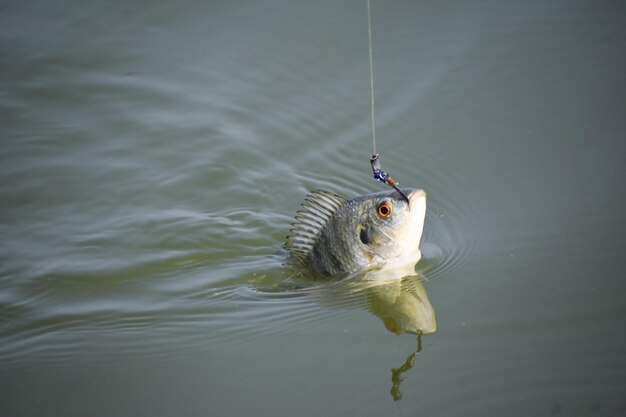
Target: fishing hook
{"x":384,"y":177}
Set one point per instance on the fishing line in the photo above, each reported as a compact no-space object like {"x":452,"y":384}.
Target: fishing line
{"x":369,"y":37}
{"x":379,"y":174}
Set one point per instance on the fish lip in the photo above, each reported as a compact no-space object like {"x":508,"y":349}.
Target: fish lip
{"x":415,"y":194}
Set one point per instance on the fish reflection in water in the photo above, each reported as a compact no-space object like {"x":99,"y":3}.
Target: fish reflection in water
{"x":396,"y":373}
{"x":404,"y":307}
{"x":401,"y":304}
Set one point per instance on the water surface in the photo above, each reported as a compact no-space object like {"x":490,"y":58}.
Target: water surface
{"x":153,"y":157}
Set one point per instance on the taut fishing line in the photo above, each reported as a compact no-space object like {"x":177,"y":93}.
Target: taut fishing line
{"x":379,"y":174}
{"x":369,"y":37}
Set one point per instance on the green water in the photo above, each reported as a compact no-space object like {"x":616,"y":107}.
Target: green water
{"x":153,"y":157}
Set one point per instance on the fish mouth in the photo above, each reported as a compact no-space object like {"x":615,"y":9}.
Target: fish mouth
{"x":416,"y":196}
{"x":410,"y":237}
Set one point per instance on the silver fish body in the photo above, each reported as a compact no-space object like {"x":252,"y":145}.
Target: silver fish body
{"x":335,"y":236}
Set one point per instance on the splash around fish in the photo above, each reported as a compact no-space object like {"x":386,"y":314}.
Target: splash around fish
{"x":374,"y":235}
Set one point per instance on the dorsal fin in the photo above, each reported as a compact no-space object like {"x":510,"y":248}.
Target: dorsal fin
{"x":317,"y":209}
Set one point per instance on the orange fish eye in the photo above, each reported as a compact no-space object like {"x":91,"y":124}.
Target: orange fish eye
{"x":384,"y":210}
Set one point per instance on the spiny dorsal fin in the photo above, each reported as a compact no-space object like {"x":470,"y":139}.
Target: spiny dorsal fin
{"x":317,"y":209}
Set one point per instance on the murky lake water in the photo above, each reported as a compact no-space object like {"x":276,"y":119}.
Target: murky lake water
{"x":153,"y":157}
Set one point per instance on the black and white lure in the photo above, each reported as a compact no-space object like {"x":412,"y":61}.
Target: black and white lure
{"x":384,"y":177}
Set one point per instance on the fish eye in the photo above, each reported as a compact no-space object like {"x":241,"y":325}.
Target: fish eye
{"x":384,"y":210}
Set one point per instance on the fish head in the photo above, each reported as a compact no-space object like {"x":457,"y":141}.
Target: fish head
{"x":390,"y":228}
{"x":375,"y":232}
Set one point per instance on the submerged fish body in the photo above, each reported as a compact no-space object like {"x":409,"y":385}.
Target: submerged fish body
{"x":374,"y":233}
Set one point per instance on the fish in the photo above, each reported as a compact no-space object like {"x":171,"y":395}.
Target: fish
{"x":376,"y":234}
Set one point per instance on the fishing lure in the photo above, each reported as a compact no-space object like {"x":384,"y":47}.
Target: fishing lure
{"x":383,"y":176}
